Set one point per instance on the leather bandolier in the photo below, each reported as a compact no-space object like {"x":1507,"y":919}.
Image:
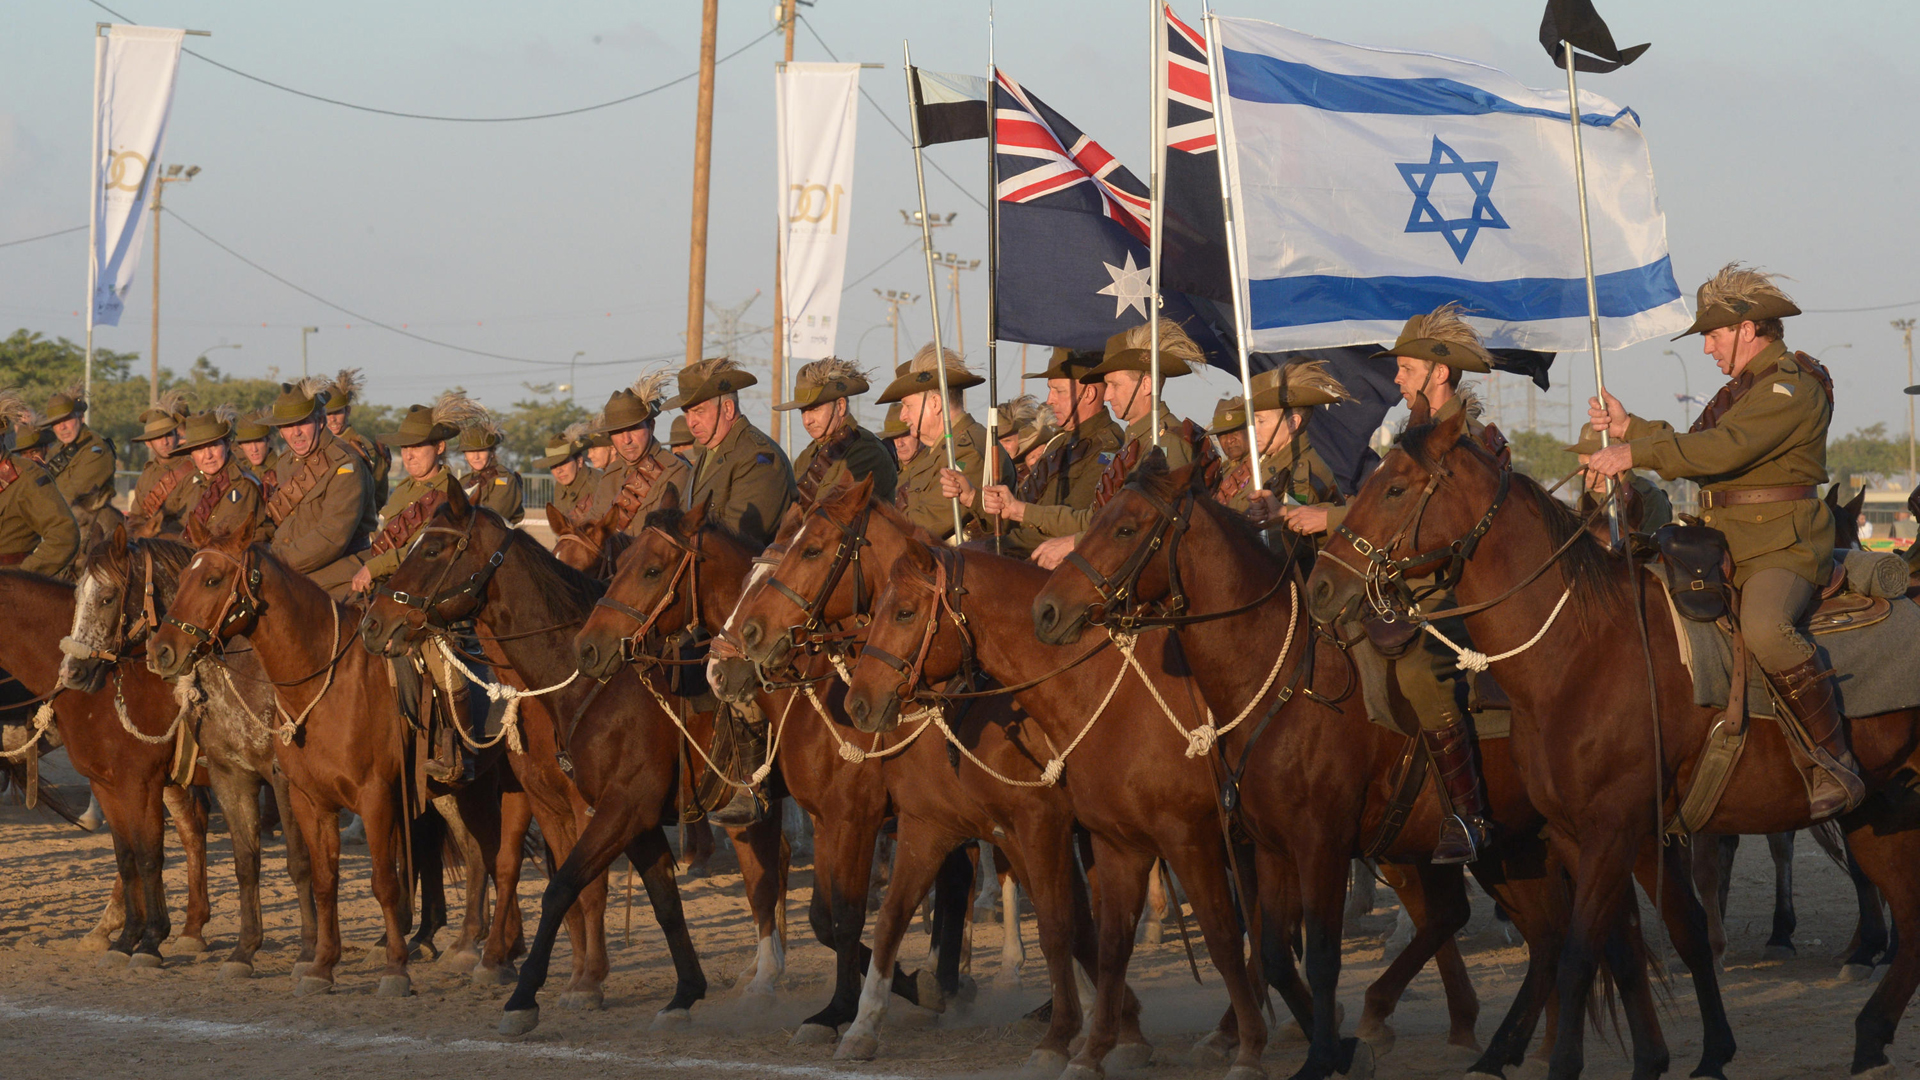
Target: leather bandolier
{"x":398,"y":532}
{"x":641,"y":476}
{"x":829,"y":454}
{"x":287,"y":494}
{"x":1053,"y":468}
{"x":162,"y":489}
{"x":211,"y":498}
{"x":476,"y":482}
{"x":8,"y":474}
{"x":1123,"y":463}
{"x":1232,"y":481}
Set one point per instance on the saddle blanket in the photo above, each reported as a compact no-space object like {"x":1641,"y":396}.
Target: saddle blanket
{"x":1876,"y":668}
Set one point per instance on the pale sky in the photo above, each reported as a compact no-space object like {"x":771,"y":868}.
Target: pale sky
{"x":1780,"y":135}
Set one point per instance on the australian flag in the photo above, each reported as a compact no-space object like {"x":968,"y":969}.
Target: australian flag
{"x":1073,"y":265}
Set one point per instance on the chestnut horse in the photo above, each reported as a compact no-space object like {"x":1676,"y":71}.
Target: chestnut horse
{"x":468,"y":564}
{"x":125,"y":589}
{"x":339,"y":739}
{"x":683,"y":570}
{"x":128,"y":774}
{"x":1589,"y":760}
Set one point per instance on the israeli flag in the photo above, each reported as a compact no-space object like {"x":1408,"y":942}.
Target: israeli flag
{"x":1370,"y":185}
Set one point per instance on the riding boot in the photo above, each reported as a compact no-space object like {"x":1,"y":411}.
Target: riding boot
{"x":445,"y":766}
{"x":739,"y":748}
{"x":1833,"y":776}
{"x":1463,"y":824}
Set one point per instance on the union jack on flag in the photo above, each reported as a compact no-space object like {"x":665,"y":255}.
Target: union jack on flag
{"x":1063,"y":157}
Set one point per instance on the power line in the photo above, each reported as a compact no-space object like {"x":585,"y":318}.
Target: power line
{"x":44,"y":236}
{"x":447,"y":119}
{"x":934,"y":165}
{"x":1857,"y":310}
{"x":909,"y":247}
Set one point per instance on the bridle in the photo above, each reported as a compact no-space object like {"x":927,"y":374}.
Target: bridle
{"x":130,"y":633}
{"x":812,"y":633}
{"x":242,"y":602}
{"x":946,"y":587}
{"x":686,"y":569}
{"x":1385,"y":576}
{"x":428,"y":605}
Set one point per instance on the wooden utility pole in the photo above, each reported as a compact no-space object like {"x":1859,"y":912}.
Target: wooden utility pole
{"x":174,"y":175}
{"x":780,"y":273}
{"x":702,"y":177}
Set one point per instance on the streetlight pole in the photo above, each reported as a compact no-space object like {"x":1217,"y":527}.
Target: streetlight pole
{"x":173,"y":175}
{"x":954,"y":265}
{"x":1686,"y":383}
{"x":894,"y":298}
{"x":304,"y":331}
{"x":573,"y":384}
{"x":1905,"y":326}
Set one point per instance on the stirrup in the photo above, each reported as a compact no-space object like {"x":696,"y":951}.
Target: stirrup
{"x":1460,"y":841}
{"x":745,"y":808}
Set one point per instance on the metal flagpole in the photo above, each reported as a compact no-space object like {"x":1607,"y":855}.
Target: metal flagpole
{"x":993,"y":270}
{"x":1586,"y":250}
{"x":933,"y":288}
{"x":1157,"y":142}
{"x":782,"y":421}
{"x":93,"y":212}
{"x":1215,"y":87}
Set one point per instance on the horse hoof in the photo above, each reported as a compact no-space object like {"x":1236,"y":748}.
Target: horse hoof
{"x":484,"y":976}
{"x":1129,"y":1056}
{"x":459,"y":959}
{"x":1378,"y":1034}
{"x":1077,"y":1071}
{"x":1214,"y":1048}
{"x":813,"y":1035}
{"x":1362,"y":1066}
{"x":1255,"y":1072}
{"x":394,"y":986}
{"x":188,"y":946}
{"x":589,"y":1000}
{"x":1850,"y":972}
{"x":1778,"y":952}
{"x":309,"y":985}
{"x":670,"y":1019}
{"x":519,"y":1021}
{"x":113,"y":958}
{"x":926,"y":990}
{"x":857,"y":1048}
{"x":143,"y":961}
{"x":301,"y":967}
{"x":1045,"y":1062}
{"x":234,"y":969}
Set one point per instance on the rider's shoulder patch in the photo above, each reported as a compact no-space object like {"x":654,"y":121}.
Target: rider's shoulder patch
{"x":1106,"y":459}
{"x":98,"y":449}
{"x":759,"y":459}
{"x":500,"y":481}
{"x":233,"y":496}
{"x":344,"y":469}
{"x":1783,"y":388}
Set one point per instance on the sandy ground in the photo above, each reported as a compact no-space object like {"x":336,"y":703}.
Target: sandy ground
{"x":62,"y":1016}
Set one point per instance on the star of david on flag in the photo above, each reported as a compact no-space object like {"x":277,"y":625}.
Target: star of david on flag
{"x":1375,"y":184}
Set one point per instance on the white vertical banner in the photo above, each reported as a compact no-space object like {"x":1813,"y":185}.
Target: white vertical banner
{"x":815,"y":106}
{"x":134,"y":69}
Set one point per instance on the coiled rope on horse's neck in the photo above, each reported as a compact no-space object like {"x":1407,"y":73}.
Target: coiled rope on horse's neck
{"x":497,"y":691}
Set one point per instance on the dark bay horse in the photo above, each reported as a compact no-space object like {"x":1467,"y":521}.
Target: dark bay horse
{"x":128,"y":774}
{"x":339,"y":736}
{"x":1589,"y":760}
{"x":621,"y":747}
{"x":125,"y":589}
{"x":683,"y":570}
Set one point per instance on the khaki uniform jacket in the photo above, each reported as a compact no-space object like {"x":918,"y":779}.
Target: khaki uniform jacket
{"x":1647,"y":506}
{"x":918,"y":492}
{"x":749,"y":480}
{"x":407,"y":492}
{"x":568,"y":496}
{"x":499,"y":490}
{"x":34,"y":519}
{"x":321,"y":535}
{"x":1179,"y":452}
{"x":151,"y":476}
{"x":1295,"y":470}
{"x":606,"y":490}
{"x":83,"y":471}
{"x":1058,"y":509}
{"x":865,"y":456}
{"x":239,"y":503}
{"x":1475,"y":428}
{"x":1775,"y":435}
{"x":378,"y":457}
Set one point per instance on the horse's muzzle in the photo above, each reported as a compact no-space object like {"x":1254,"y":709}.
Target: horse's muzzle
{"x":596,"y":660}
{"x":87,"y":676}
{"x":731,"y":679}
{"x":1052,"y":623}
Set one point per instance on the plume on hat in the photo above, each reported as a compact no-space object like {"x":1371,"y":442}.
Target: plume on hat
{"x":825,"y":371}
{"x":1736,"y":285}
{"x":313,"y":386}
{"x":924,"y":361}
{"x":650,"y":387}
{"x":1313,"y":375}
{"x":1022,"y":411}
{"x":14,"y":410}
{"x":75,"y":392}
{"x":578,"y":430}
{"x":456,"y":409}
{"x":227,"y":413}
{"x":1174,"y":342}
{"x":347,"y":386}
{"x":1445,"y":324}
{"x":699,"y":371}
{"x":173,"y":401}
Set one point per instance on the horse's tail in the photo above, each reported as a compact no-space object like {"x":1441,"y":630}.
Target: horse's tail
{"x":1627,"y":947}
{"x":1832,"y":841}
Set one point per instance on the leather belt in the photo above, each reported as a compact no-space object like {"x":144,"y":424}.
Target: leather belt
{"x":1715,"y":500}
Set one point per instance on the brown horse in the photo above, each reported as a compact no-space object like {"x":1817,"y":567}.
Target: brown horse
{"x":621,"y":747}
{"x":125,"y":588}
{"x":128,"y":773}
{"x":340,"y":738}
{"x":1589,"y":760}
{"x":684,"y":570}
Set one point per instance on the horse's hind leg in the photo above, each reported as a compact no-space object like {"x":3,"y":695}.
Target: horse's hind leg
{"x":190,"y":823}
{"x":504,"y":933}
{"x":472,"y":817}
{"x":650,"y":852}
{"x":608,"y":831}
{"x":1538,"y":908}
{"x":952,"y":915}
{"x":1705,"y":868}
{"x":1686,"y":922}
{"x":1435,"y":898}
{"x":761,"y":849}
{"x":1890,"y":860}
{"x":427,"y":836}
{"x":239,"y":795}
{"x":386,"y":831}
{"x":1780,"y":942}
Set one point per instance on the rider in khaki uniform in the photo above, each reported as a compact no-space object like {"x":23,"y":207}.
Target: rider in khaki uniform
{"x":222,"y":495}
{"x":921,"y":493}
{"x":346,"y":390}
{"x":1433,"y":352}
{"x":1293,"y":475}
{"x":82,"y":463}
{"x":1023,"y":434}
{"x":1056,"y":494}
{"x":823,"y":391}
{"x":155,"y":505}
{"x":322,"y":503}
{"x":899,"y":439}
{"x":635,"y":479}
{"x":572,"y":476}
{"x":1759,"y":453}
{"x":37,"y":532}
{"x":744,"y":477}
{"x":1646,"y":507}
{"x":1233,"y":482}
{"x":680,"y":441}
{"x":252,"y":439}
{"x":490,"y":484}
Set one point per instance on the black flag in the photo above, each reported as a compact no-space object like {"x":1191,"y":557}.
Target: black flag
{"x":951,"y":107}
{"x":1576,"y":23}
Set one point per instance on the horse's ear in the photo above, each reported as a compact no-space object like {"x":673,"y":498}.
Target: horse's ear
{"x":118,"y":541}
{"x":197,"y":533}
{"x":1192,"y":476}
{"x":1832,"y":497}
{"x":1445,"y":434}
{"x":558,"y":521}
{"x":457,"y":504}
{"x":694,"y":520}
{"x":917,"y":557}
{"x":1858,"y":502}
{"x":849,"y":495}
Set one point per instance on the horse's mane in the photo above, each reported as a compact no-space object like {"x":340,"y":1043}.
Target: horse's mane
{"x":1588,"y":567}
{"x":615,"y":544}
{"x":1153,"y":477}
{"x":569,"y":591}
{"x":673,"y":518}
